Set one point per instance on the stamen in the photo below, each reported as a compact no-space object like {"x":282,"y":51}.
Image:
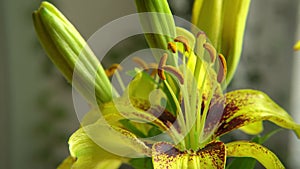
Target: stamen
{"x":211,"y":50}
{"x":153,"y":67}
{"x":112,"y":69}
{"x":162,"y":63}
{"x":201,"y":33}
{"x":184,"y":41}
{"x":175,"y":72}
{"x":141,"y":62}
{"x":172,"y":46}
{"x":222,"y":69}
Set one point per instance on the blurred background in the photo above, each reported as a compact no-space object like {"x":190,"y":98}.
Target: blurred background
{"x":36,"y":109}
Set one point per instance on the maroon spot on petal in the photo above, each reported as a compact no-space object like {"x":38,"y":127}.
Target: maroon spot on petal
{"x":235,"y":123}
{"x":167,"y":149}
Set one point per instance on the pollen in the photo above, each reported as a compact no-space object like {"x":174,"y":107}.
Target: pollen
{"x":162,"y":63}
{"x":112,"y":69}
{"x":172,"y":46}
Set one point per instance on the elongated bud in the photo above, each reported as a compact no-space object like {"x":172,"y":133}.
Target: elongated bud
{"x":234,"y":16}
{"x":158,"y":24}
{"x":68,"y":51}
{"x":224,"y":23}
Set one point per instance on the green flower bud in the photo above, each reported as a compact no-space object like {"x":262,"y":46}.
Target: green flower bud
{"x":224,"y":22}
{"x":69,"y":52}
{"x":158,"y":24}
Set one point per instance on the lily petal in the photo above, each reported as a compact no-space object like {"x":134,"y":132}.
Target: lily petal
{"x":85,"y":144}
{"x":244,"y":107}
{"x":253,"y":128}
{"x":86,"y":152}
{"x":165,"y":155}
{"x":248,"y":149}
{"x":104,"y":164}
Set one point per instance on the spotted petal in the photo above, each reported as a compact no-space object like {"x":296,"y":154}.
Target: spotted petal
{"x":165,"y":155}
{"x":260,"y":153}
{"x":245,"y":107}
{"x":98,"y":142}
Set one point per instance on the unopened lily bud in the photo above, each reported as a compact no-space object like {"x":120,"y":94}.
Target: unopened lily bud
{"x":70,"y":53}
{"x":224,"y":23}
{"x":158,"y":24}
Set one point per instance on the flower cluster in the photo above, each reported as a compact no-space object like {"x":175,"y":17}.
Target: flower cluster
{"x":182,"y":125}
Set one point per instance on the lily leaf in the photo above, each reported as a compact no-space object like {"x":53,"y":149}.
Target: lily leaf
{"x":165,"y":155}
{"x":141,"y":163}
{"x":249,"y":149}
{"x":244,"y":107}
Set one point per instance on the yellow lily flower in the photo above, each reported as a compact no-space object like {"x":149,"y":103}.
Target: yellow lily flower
{"x":182,"y":125}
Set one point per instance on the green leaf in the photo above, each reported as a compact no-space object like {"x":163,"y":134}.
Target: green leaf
{"x":141,"y":163}
{"x":130,"y":127}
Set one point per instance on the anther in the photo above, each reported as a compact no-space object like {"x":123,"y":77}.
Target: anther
{"x":162,"y":63}
{"x":153,"y":67}
{"x":200,"y":40}
{"x":201,"y":33}
{"x":211,"y":50}
{"x":141,"y":62}
{"x":222,"y":69}
{"x":175,"y":72}
{"x":172,"y":46}
{"x":112,"y":69}
{"x":184,"y":41}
